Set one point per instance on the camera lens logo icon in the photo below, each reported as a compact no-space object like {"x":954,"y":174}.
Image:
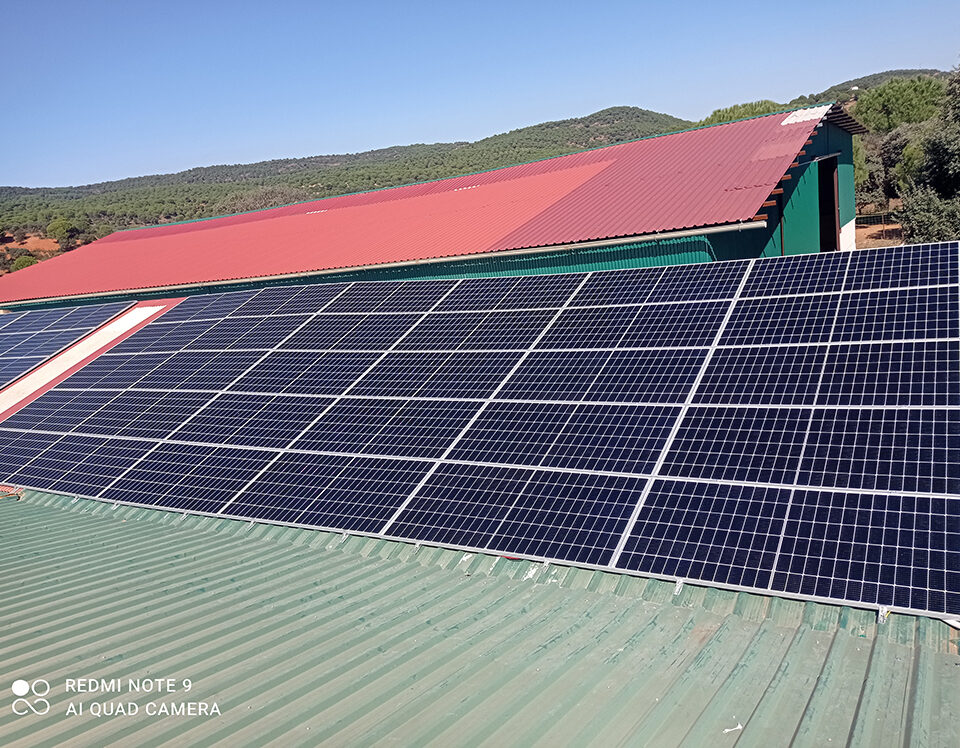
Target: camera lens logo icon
{"x":36,"y":702}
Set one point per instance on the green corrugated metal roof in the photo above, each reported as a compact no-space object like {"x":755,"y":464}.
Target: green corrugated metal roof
{"x":306,"y":637}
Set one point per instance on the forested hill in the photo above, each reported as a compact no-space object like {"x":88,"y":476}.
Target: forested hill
{"x":76,"y":215}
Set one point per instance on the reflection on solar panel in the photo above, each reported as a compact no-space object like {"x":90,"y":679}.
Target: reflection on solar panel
{"x":787,"y":425}
{"x":27,"y":339}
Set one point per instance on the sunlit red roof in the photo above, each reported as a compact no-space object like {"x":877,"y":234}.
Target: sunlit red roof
{"x":704,"y":177}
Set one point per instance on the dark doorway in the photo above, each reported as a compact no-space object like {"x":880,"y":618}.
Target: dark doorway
{"x":829,"y":205}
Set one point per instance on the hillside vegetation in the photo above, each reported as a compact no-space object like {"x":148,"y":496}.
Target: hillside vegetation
{"x":76,"y":215}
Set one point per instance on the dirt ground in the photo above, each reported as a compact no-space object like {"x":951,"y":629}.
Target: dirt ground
{"x":879,"y":236}
{"x":37,"y":246}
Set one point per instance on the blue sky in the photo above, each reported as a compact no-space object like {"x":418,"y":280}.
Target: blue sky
{"x":103,"y":90}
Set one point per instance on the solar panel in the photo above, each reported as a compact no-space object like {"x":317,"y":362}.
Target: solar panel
{"x":788,"y":426}
{"x":29,"y":338}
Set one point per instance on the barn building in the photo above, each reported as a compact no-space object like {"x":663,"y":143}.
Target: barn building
{"x":780,"y":184}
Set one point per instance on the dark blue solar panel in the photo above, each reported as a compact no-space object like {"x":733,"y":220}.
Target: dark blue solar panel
{"x":885,"y":450}
{"x":568,"y":516}
{"x":18,"y":448}
{"x":892,"y":374}
{"x":44,"y":470}
{"x":513,"y":433}
{"x":615,"y":438}
{"x":881,"y":550}
{"x":573,"y":517}
{"x":116,"y":370}
{"x":366,"y":297}
{"x":306,"y":373}
{"x":208,"y":306}
{"x":164,"y":336}
{"x":493,"y":330}
{"x":461,"y":505}
{"x":388,"y":427}
{"x":816,"y":273}
{"x":253,"y":420}
{"x":655,"y":376}
{"x":34,"y":321}
{"x":589,"y":328}
{"x":477,"y":294}
{"x":446,"y":374}
{"x":358,"y":494}
{"x":701,"y":281}
{"x":9,"y":319}
{"x":414,"y":296}
{"x":803,"y":319}
{"x":774,"y":375}
{"x":89,"y":317}
{"x":617,"y":287}
{"x":14,"y":368}
{"x":240,"y":332}
{"x":43,"y":344}
{"x":189,"y":477}
{"x":96,"y":469}
{"x":289,"y":300}
{"x":738,"y":444}
{"x":893,"y":267}
{"x":555,"y":375}
{"x":541,"y":291}
{"x":693,"y":324}
{"x":378,"y":332}
{"x":710,"y":531}
{"x":59,"y":410}
{"x":199,"y":370}
{"x":898,"y":315}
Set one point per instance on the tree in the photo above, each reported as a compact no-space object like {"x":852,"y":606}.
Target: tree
{"x":901,"y":100}
{"x":23,"y":262}
{"x":930,"y":172}
{"x":742,"y":111}
{"x":260,"y":198}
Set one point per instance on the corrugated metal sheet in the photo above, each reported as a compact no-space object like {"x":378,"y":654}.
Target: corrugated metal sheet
{"x":713,"y":175}
{"x":309,"y":638}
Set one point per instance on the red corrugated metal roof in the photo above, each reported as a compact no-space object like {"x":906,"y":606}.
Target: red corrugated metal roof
{"x":704,"y":177}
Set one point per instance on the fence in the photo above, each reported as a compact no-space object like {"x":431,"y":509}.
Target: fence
{"x":875,"y":219}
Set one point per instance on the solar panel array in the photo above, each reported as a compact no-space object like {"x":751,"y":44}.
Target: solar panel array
{"x":27,"y":339}
{"x":788,"y":425}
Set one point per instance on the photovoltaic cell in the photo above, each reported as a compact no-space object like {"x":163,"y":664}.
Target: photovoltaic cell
{"x":897,"y":267}
{"x":568,"y":516}
{"x":887,"y":450}
{"x":892,"y":374}
{"x":898,"y":315}
{"x":388,"y":427}
{"x":189,"y":477}
{"x":815,"y":273}
{"x":357,"y":494}
{"x":461,"y":505}
{"x":714,"y":532}
{"x":761,"y":445}
{"x":802,"y":319}
{"x":617,"y":287}
{"x":872,"y":548}
{"x":701,"y":281}
{"x":657,"y":325}
{"x":27,"y":339}
{"x":770,"y":375}
{"x":289,"y":300}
